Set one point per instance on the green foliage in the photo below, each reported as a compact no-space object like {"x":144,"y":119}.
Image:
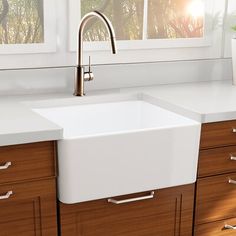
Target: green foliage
{"x":233,"y":28}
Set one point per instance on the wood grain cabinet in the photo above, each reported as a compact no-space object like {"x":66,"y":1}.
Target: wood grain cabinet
{"x":215,"y":208}
{"x":28,"y":190}
{"x":168,"y":213}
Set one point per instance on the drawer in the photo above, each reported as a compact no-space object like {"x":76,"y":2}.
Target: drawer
{"x":218,"y":134}
{"x":28,"y":209}
{"x":215,"y":198}
{"x":217,"y":161}
{"x":169,"y":212}
{"x":28,"y":161}
{"x":219,"y":228}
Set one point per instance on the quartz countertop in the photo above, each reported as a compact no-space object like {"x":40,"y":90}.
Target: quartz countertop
{"x":204,"y":102}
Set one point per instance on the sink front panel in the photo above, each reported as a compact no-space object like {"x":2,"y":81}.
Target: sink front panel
{"x":111,"y":165}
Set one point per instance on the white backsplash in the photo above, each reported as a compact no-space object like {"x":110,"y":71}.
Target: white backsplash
{"x":57,"y":80}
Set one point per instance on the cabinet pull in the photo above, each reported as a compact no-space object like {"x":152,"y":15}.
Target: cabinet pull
{"x":232,"y":158}
{"x":112,"y":200}
{"x":6,"y":196}
{"x":229,"y":227}
{"x":231,"y":181}
{"x":5,"y":166}
{"x":234,"y":130}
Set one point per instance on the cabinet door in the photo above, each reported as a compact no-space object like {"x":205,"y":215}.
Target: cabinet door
{"x":28,"y":209}
{"x":215,"y":198}
{"x":169,"y":213}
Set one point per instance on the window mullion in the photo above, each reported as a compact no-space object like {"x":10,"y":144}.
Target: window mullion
{"x":145,"y":18}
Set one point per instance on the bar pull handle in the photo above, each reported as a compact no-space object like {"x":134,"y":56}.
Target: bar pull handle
{"x":229,"y":227}
{"x":5,"y":166}
{"x":117,"y":202}
{"x":231,"y":181}
{"x":6,"y":196}
{"x":234,"y":130}
{"x":232,"y":157}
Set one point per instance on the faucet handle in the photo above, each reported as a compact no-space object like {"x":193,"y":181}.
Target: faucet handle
{"x":89,"y":64}
{"x":88,"y":76}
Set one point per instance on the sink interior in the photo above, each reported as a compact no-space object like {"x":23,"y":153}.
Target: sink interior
{"x":109,"y":118}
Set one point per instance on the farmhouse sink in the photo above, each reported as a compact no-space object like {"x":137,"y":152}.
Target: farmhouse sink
{"x":118,"y":148}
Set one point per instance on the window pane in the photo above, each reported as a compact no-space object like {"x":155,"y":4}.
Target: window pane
{"x":126,"y":17}
{"x":21,"y":21}
{"x":175,"y":19}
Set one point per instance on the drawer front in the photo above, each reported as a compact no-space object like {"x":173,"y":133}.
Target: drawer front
{"x":217,"y":161}
{"x":219,"y":228}
{"x":215,"y":198}
{"x":218,"y":134}
{"x":28,"y":161}
{"x":28,"y":209}
{"x":168,"y":213}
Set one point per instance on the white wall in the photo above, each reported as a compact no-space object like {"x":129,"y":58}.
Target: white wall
{"x":60,"y":80}
{"x":109,"y":76}
{"x":64,"y":28}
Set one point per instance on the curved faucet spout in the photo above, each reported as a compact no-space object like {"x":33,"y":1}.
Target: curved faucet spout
{"x":83,"y":23}
{"x":80,"y":74}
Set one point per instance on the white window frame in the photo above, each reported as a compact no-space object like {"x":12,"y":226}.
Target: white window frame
{"x":230,"y":20}
{"x":49,"y":44}
{"x":208,"y":47}
{"x":204,"y":41}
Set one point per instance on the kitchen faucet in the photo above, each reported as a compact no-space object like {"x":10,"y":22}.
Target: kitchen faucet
{"x":81,"y":76}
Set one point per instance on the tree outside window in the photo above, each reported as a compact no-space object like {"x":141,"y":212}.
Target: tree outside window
{"x":147,"y":19}
{"x":21,"y":21}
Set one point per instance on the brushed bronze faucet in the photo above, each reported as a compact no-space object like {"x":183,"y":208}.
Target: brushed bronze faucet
{"x":80,"y":75}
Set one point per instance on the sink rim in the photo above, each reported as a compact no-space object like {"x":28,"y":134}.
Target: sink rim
{"x":184,"y":123}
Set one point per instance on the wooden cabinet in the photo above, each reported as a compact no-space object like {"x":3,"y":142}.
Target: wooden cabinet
{"x":215,"y":198}
{"x":28,"y":190}
{"x":218,"y":134}
{"x":169,"y":213}
{"x":217,"y":228}
{"x":30,"y":210}
{"x":27,"y":162}
{"x":217,"y":161}
{"x":215,"y":208}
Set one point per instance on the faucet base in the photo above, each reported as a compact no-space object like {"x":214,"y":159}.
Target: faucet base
{"x":79,"y":81}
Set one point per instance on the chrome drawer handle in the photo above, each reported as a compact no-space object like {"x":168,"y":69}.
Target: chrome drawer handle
{"x":111,"y":200}
{"x":6,"y":196}
{"x":234,"y":130}
{"x":231,"y":181}
{"x":4,"y":167}
{"x":230,"y":227}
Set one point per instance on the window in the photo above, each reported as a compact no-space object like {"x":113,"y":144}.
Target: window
{"x":151,"y":30}
{"x":27,"y":26}
{"x":148,"y":24}
{"x":147,"y":19}
{"x":230,"y":20}
{"x":21,"y":22}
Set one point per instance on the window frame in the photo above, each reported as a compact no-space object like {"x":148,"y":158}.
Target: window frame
{"x":230,"y":20}
{"x":211,"y":48}
{"x":49,"y":44}
{"x":205,"y":41}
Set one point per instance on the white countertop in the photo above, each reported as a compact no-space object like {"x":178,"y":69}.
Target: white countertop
{"x":204,"y":102}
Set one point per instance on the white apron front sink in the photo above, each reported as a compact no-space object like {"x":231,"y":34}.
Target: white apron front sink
{"x":118,"y":148}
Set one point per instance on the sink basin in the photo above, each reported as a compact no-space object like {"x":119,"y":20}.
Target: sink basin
{"x":118,"y":148}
